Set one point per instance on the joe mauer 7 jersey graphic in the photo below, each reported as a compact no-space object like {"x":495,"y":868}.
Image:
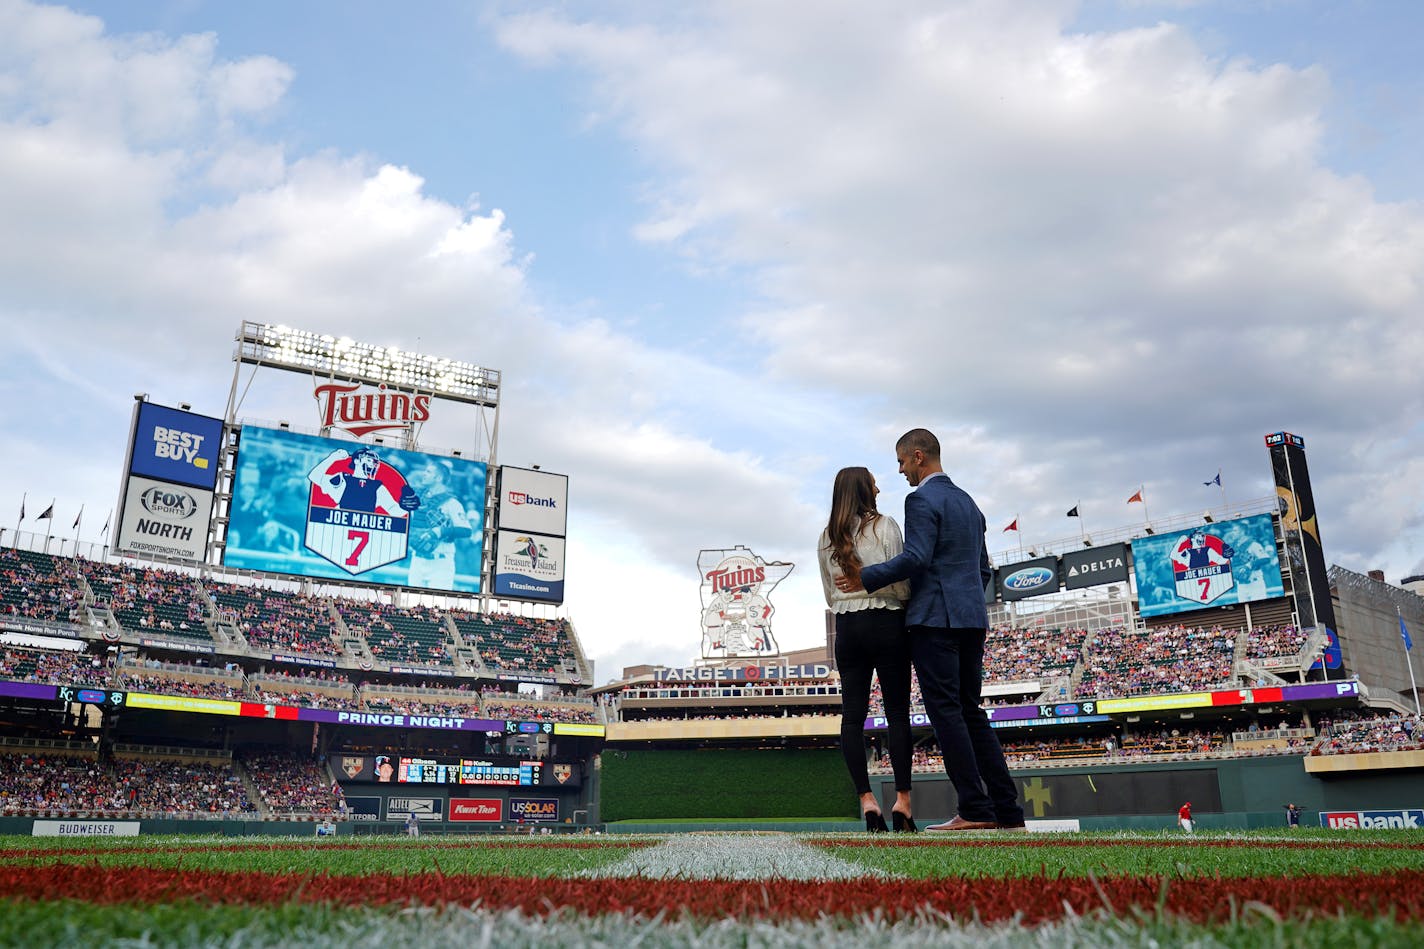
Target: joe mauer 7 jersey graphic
{"x":336,"y":509}
{"x":358,"y":516}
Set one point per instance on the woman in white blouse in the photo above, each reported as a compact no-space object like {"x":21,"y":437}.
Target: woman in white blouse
{"x":870,"y":638}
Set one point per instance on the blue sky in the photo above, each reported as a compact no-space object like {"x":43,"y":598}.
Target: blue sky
{"x":722,"y":250}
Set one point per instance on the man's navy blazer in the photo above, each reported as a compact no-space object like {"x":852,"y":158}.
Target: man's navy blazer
{"x":944,"y":558}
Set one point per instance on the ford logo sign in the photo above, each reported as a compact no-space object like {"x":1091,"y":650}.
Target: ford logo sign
{"x":1030,"y":578}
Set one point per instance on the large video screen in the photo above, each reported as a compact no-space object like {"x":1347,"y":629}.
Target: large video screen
{"x":1212,"y":565}
{"x":494,"y":771}
{"x":343,"y":510}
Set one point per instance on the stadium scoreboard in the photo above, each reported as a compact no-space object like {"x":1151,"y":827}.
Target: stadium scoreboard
{"x":469,"y":771}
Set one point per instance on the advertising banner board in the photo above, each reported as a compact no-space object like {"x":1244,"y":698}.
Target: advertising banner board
{"x":176,"y":446}
{"x":424,"y":808}
{"x":529,"y":567}
{"x":1095,"y":566}
{"x":160,"y":519}
{"x":534,"y":808}
{"x":533,"y":501}
{"x":482,"y":809}
{"x":1019,"y":581}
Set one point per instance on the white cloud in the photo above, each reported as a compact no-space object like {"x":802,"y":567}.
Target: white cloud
{"x":1113,"y":252}
{"x":1088,"y":261}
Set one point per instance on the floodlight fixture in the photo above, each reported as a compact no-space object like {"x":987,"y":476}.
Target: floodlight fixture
{"x":282,"y":347}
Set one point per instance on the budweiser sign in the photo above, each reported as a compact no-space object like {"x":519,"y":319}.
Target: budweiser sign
{"x":361,"y":412}
{"x":736,"y":611}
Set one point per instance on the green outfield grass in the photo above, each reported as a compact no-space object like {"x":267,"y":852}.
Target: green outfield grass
{"x":285,"y":919}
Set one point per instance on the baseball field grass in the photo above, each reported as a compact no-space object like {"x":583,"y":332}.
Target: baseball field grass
{"x":1301,"y":888}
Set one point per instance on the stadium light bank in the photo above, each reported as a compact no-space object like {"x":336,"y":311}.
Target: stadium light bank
{"x":281,"y":347}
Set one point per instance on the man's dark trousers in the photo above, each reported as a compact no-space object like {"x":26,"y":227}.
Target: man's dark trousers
{"x":950,"y":666}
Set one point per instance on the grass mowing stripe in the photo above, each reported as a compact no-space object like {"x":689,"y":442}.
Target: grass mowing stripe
{"x":484,"y":861}
{"x":1007,"y":857}
{"x":66,"y":924}
{"x":1398,"y":895}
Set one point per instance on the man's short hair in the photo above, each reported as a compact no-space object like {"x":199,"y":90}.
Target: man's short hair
{"x":921,"y":440}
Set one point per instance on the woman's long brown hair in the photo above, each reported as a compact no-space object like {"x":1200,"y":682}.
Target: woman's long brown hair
{"x":852,"y":508}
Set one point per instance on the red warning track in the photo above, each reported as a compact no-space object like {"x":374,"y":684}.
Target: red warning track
{"x":1397,"y":895}
{"x":999,"y":840}
{"x":520,"y":843}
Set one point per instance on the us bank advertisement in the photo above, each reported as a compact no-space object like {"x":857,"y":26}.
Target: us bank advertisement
{"x":533,"y":501}
{"x":1212,"y":565}
{"x":343,"y":510}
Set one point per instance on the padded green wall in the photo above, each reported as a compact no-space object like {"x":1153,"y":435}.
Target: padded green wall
{"x":694,"y":784}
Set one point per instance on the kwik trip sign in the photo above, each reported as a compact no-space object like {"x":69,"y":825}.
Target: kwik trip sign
{"x":736,"y":606}
{"x":361,"y":411}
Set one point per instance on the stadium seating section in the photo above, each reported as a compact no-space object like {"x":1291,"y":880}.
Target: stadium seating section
{"x":38,"y":586}
{"x":156,"y":603}
{"x":413,"y":635}
{"x":508,"y":643}
{"x":150,"y":600}
{"x":277,"y":620}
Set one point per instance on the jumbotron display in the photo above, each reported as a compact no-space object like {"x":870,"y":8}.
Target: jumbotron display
{"x":1212,"y":565}
{"x":335,"y":509}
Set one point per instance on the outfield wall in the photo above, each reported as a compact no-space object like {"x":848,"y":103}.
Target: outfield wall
{"x":679,"y":785}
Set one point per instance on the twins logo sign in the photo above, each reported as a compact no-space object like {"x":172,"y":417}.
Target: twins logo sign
{"x":736,"y":609}
{"x":1201,"y":566}
{"x":358,"y":517}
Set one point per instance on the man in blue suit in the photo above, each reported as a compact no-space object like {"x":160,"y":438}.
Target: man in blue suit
{"x":948,"y":568}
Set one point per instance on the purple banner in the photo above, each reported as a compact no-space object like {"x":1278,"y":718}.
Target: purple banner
{"x":28,"y":690}
{"x":397,"y":720}
{"x":1071,"y":710}
{"x":1319,"y":690}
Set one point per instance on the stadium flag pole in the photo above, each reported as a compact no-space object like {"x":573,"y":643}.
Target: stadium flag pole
{"x":1223,"y":490}
{"x":15,"y":541}
{"x":77,"y":521}
{"x":49,"y":528}
{"x":1409,"y":660}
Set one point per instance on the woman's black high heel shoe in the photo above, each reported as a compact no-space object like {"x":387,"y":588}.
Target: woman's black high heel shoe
{"x":875,"y":822}
{"x":904,"y":823}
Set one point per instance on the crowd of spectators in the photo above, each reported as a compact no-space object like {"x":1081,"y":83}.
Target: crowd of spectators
{"x":741,"y":714}
{"x":410,"y":705}
{"x":524,"y":708}
{"x":53,"y":667}
{"x":413,"y":634}
{"x":278,"y":620}
{"x":1273,"y":642}
{"x":54,"y":781}
{"x":1167,"y":659}
{"x":147,"y":599}
{"x":86,"y":783}
{"x":38,"y":586}
{"x":1020,"y":655}
{"x":284,"y":693}
{"x":1375,"y":733}
{"x":205,"y":687}
{"x":291,"y":783}
{"x":510,"y":643}
{"x":181,"y":786}
{"x":154,"y":600}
